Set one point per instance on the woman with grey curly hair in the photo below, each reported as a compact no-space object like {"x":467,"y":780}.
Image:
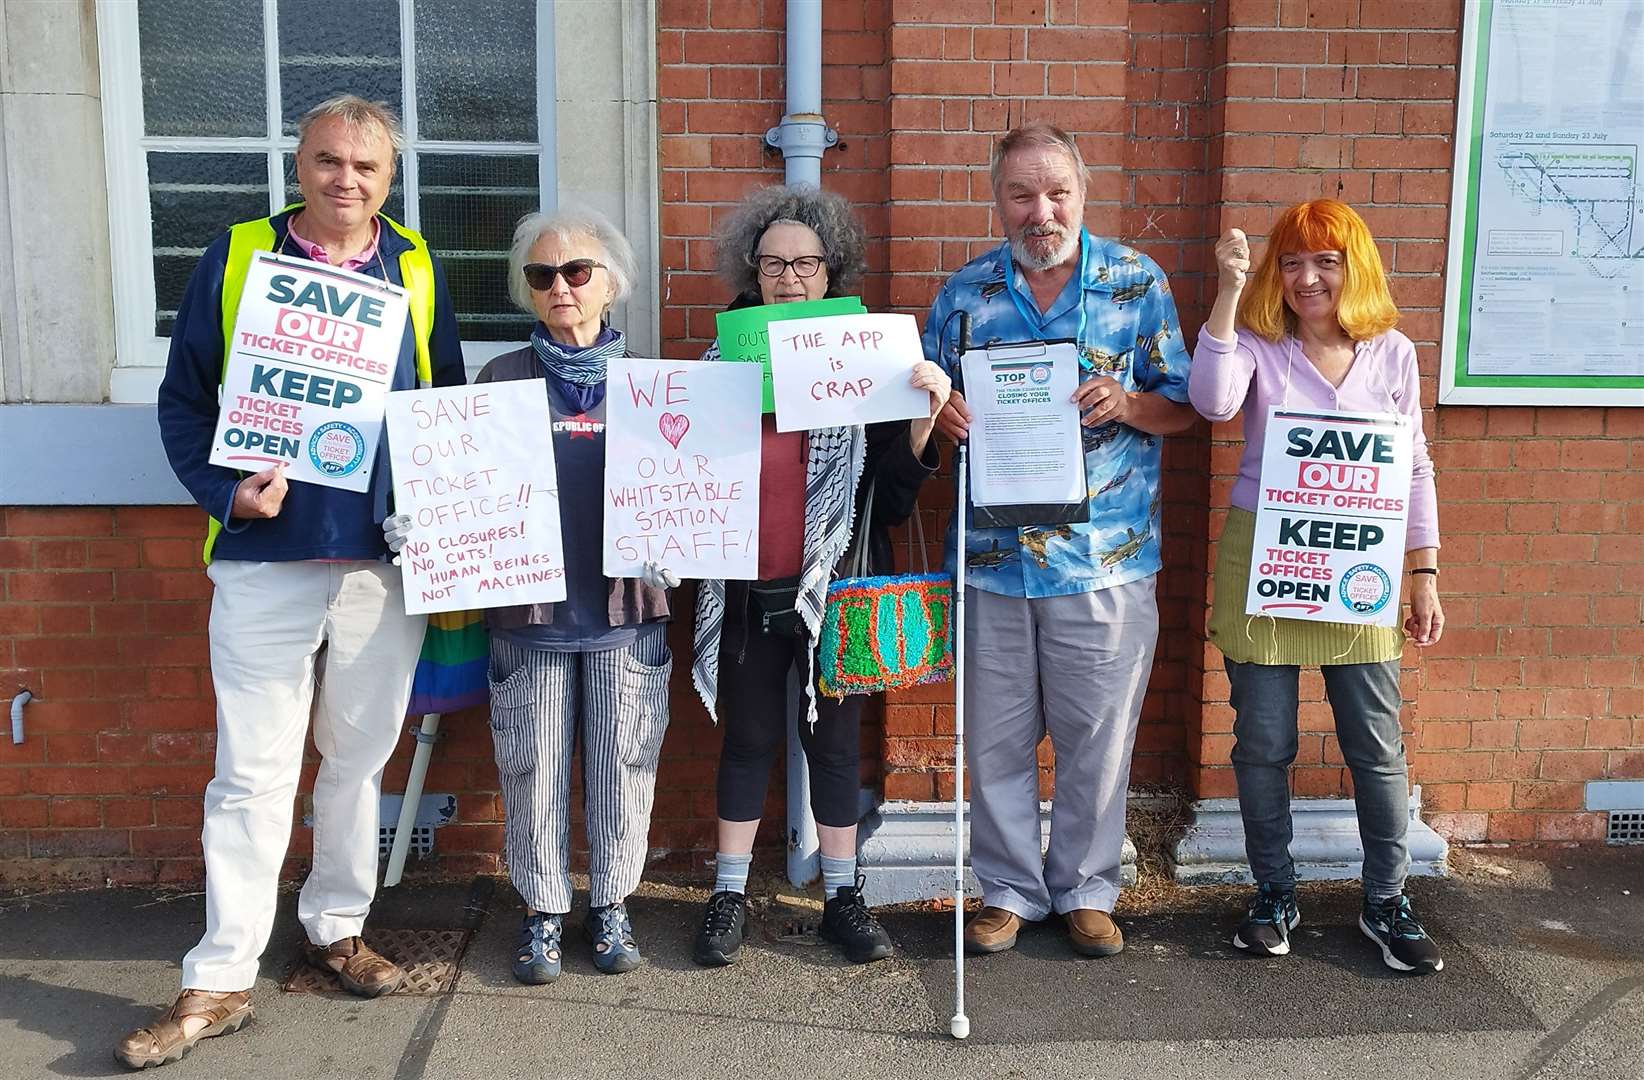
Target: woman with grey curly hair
{"x":594,"y":667}
{"x":787,"y":244}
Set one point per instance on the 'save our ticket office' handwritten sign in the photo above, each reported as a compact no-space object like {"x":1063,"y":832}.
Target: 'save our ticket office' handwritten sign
{"x":474,"y":467}
{"x":1331,"y":514}
{"x":682,"y":468}
{"x":313,"y":354}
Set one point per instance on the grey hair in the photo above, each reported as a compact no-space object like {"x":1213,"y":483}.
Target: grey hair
{"x":566,"y":226}
{"x":1036,"y":133}
{"x":355,"y":112}
{"x":825,"y":213}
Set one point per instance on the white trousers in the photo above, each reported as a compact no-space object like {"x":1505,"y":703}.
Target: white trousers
{"x":269,"y":625}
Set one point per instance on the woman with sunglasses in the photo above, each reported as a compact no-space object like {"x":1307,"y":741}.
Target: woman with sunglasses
{"x":593,"y":668}
{"x":786,"y":244}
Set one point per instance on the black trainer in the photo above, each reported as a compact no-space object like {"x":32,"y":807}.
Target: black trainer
{"x":847,"y":922}
{"x":721,"y":933}
{"x":1405,"y":946}
{"x":1266,"y":928}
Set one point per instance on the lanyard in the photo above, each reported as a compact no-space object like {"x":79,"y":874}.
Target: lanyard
{"x":1032,"y":317}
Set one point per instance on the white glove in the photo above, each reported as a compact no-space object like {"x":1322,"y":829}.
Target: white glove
{"x":658,"y":577}
{"x":396,"y":529}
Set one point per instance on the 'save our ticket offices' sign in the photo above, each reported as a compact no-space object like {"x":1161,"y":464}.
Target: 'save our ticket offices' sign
{"x":682,"y":468}
{"x":1331,"y":515}
{"x":474,"y":467}
{"x":313,"y":354}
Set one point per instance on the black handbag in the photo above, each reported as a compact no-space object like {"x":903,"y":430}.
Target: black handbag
{"x":771,"y":608}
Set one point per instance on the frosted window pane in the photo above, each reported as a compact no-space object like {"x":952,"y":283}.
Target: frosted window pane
{"x":470,"y":203}
{"x":202,"y":68}
{"x":329,"y":48}
{"x":476,"y":70}
{"x":194,"y":198}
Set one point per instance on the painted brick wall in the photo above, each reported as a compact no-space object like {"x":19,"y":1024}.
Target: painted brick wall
{"x":1194,"y":117}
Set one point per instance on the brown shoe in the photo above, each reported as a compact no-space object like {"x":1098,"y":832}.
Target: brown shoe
{"x":992,"y":930}
{"x":360,"y":969}
{"x":1094,"y":933}
{"x":166,"y":1040}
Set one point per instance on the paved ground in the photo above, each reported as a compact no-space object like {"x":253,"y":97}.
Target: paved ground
{"x":1544,"y":979}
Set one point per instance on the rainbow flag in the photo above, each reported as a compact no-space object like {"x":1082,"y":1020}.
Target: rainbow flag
{"x":451,"y":670}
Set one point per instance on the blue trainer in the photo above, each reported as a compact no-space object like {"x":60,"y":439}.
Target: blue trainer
{"x":613,"y":937}
{"x":537,"y":959}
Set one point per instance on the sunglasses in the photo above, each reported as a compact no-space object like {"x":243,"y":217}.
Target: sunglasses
{"x":540,"y":276}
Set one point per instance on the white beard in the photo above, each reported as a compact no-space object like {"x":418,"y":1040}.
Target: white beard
{"x":1060,"y":254}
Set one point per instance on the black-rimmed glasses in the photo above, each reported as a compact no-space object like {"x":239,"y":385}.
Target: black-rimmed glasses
{"x":774,"y":266}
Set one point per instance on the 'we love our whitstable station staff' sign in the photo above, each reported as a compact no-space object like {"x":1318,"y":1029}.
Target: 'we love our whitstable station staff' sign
{"x":307,"y":375}
{"x":1331,"y":514}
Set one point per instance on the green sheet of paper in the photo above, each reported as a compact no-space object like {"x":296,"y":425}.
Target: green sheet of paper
{"x":744,"y":337}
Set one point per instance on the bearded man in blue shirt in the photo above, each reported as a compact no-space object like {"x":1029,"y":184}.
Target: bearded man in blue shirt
{"x":1061,"y":616}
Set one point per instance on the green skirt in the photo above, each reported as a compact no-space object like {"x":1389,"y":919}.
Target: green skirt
{"x":1258,"y":639}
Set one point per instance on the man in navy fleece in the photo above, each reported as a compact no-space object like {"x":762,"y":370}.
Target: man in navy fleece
{"x":306,"y":605}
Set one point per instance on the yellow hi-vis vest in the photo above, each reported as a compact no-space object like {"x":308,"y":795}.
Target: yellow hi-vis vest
{"x":416,"y":274}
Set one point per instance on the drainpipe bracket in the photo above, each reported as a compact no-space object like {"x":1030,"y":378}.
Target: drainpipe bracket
{"x":801,"y":132}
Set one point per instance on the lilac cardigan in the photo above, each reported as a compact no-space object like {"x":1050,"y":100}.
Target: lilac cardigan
{"x":1253,"y":373}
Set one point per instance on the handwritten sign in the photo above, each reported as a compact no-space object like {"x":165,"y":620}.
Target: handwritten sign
{"x":313,"y":354}
{"x":846,"y":369}
{"x":744,"y":336}
{"x":474,"y":467}
{"x":1332,"y":508}
{"x":682,"y":468}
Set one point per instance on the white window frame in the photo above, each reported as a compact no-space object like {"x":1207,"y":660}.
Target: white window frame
{"x":140,"y":355}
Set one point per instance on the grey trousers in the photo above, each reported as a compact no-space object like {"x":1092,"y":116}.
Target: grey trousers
{"x":1365,"y":700}
{"x":1075,"y":667}
{"x":616,"y":701}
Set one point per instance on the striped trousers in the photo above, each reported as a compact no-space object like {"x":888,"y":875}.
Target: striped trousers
{"x":614,"y":702}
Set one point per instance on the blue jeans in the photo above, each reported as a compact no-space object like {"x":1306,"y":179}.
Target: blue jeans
{"x":1365,"y":700}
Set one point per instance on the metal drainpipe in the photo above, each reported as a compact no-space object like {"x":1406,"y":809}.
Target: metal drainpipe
{"x":17,"y":703}
{"x":802,"y":137}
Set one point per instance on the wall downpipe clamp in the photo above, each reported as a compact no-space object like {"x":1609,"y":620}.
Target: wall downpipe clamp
{"x":802,"y":135}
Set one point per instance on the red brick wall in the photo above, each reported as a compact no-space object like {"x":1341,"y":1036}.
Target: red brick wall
{"x":1194,"y":117}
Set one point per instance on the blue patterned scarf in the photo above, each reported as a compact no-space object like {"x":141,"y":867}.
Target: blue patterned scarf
{"x":583,"y":365}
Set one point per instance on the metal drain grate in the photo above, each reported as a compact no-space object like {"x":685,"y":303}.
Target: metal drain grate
{"x":1626,"y":827}
{"x":794,"y":930}
{"x":431,"y":959}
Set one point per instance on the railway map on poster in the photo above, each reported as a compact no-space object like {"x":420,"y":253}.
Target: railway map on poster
{"x":1545,"y":287}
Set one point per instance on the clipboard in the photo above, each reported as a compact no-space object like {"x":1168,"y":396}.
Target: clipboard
{"x":1024,"y":358}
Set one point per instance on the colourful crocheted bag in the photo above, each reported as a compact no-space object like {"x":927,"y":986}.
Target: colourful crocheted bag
{"x":887,"y":631}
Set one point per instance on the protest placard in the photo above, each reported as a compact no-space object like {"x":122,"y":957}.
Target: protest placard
{"x":474,"y":467}
{"x":1332,"y":508}
{"x":744,"y":333}
{"x":682,"y":468}
{"x":314,"y":351}
{"x":845,"y":369}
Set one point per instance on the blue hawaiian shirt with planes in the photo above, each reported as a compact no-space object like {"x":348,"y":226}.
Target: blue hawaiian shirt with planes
{"x":1119,"y":310}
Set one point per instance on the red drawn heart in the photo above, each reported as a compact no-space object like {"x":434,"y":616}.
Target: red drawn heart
{"x":673,"y":427}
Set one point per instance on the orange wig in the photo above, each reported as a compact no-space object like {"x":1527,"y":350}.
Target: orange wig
{"x":1365,"y":307}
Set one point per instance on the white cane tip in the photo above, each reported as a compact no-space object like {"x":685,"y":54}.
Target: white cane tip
{"x":959,"y":1026}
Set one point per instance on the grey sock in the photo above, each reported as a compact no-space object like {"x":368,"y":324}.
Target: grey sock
{"x":731,"y":872}
{"x":837,"y":874}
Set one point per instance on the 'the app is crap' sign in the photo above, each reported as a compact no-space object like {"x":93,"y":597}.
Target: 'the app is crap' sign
{"x":313,"y":352}
{"x":682,"y":468}
{"x":1332,"y":509}
{"x":844,"y":370}
{"x":474,"y":467}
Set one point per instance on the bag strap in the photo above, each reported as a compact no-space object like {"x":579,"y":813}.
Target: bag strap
{"x":864,"y":522}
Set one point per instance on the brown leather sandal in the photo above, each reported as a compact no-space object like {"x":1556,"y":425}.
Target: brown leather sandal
{"x":360,"y":969}
{"x":165,"y":1040}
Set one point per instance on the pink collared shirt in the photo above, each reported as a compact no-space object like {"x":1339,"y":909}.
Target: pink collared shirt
{"x":1253,"y":373}
{"x":317,"y":253}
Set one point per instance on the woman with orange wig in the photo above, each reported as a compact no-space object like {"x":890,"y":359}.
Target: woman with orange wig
{"x":1313,"y":329}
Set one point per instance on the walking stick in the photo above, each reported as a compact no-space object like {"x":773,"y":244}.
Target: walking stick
{"x":412,"y":798}
{"x":959,"y":1026}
